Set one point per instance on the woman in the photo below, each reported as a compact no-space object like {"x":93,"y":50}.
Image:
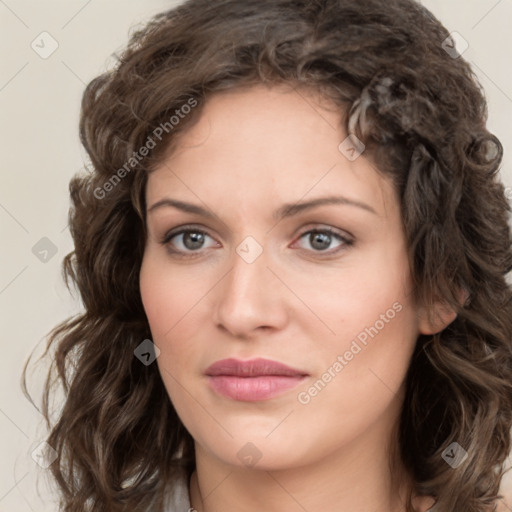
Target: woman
{"x":291,"y":250}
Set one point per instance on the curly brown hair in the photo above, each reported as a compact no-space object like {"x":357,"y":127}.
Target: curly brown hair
{"x":422,"y":116}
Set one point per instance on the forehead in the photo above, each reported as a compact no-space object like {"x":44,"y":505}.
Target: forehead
{"x":260,"y":144}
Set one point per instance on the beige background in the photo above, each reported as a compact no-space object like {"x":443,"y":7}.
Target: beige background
{"x":40,"y":151}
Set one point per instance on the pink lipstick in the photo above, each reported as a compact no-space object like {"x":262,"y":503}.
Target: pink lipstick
{"x":253,"y":380}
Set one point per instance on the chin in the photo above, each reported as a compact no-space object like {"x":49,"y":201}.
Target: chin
{"x":253,"y":450}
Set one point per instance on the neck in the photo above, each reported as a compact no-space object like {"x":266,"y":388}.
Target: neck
{"x":354,"y":478}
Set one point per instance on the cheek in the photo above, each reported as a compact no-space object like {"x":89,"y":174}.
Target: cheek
{"x":166,"y":303}
{"x":159,"y":303}
{"x":168,"y":296}
{"x":373,"y":328}
{"x":175,"y":302}
{"x":369,"y":289}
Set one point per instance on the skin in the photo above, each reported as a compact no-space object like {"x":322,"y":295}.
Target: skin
{"x":252,"y":151}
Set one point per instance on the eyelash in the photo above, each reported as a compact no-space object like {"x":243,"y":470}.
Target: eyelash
{"x":346,"y":242}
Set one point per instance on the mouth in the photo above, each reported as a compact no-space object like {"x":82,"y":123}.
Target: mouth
{"x":253,"y":380}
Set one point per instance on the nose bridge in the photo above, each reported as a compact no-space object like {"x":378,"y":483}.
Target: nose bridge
{"x":249,"y":276}
{"x":248,"y":298}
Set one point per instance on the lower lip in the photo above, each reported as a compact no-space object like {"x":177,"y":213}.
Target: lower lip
{"x":253,"y":389}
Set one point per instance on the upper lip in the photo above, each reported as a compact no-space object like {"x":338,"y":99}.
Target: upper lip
{"x":252,"y":368}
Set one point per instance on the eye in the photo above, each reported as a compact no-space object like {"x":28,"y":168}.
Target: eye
{"x":322,"y":240}
{"x":188,"y":240}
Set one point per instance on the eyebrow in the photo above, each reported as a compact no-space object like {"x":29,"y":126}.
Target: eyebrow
{"x":287,"y":210}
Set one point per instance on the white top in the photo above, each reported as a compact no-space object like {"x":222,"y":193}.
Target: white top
{"x":179,"y":499}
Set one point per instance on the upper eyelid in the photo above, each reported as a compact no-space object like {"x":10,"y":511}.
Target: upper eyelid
{"x":318,"y":226}
{"x":183,"y":229}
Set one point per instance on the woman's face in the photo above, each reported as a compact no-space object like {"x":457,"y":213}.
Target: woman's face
{"x":269,"y":240}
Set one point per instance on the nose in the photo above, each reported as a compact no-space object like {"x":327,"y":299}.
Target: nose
{"x":250,"y":299}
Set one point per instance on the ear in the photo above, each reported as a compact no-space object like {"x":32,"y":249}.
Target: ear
{"x":439,"y":318}
{"x":436,"y":318}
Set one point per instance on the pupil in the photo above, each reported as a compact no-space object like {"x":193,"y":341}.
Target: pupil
{"x":193,"y":240}
{"x":320,"y":241}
